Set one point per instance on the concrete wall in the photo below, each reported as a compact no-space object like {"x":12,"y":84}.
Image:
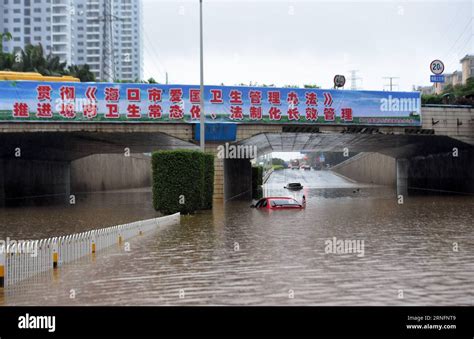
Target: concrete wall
{"x":446,"y":122}
{"x":374,"y":168}
{"x":27,"y":181}
{"x":102,"y":172}
{"x":442,"y":173}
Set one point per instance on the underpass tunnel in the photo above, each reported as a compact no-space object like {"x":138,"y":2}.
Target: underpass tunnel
{"x":419,"y":163}
{"x":36,"y":167}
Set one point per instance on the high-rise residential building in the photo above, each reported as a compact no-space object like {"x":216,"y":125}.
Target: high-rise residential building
{"x":467,"y":64}
{"x":105,"y":34}
{"x":128,"y":44}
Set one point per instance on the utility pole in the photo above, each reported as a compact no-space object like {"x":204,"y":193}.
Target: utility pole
{"x":202,"y":117}
{"x":354,"y":79}
{"x":167,"y":78}
{"x":107,"y":68}
{"x":391,"y":84}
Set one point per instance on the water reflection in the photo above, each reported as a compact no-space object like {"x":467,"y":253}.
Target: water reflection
{"x":236,"y":255}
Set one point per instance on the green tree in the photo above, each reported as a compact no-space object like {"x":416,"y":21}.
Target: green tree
{"x":82,"y":72}
{"x":6,"y":36}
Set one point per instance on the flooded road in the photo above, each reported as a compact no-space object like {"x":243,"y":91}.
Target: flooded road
{"x":236,"y":255}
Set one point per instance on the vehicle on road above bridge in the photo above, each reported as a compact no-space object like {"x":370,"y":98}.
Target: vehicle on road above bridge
{"x":278,"y":203}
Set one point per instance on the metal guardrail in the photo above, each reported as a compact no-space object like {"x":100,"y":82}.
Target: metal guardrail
{"x":22,"y":260}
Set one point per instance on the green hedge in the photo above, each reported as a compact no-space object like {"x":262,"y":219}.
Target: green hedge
{"x":181,"y":181}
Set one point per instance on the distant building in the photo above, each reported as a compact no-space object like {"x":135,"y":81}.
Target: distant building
{"x":467,"y":64}
{"x":105,"y":34}
{"x":426,"y":89}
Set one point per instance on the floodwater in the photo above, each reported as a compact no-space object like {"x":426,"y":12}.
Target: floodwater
{"x":416,"y":253}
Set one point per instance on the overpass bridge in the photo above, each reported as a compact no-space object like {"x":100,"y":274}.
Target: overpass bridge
{"x":35,"y":154}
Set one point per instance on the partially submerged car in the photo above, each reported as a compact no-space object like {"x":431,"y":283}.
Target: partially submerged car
{"x":278,"y":203}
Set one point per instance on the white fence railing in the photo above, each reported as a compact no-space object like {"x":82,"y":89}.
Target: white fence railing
{"x":19,"y":261}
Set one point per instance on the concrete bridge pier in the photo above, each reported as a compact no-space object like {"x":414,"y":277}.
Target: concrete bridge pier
{"x":34,"y":181}
{"x":402,"y":177}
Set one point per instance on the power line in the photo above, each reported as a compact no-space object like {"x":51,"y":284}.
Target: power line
{"x":390,"y":84}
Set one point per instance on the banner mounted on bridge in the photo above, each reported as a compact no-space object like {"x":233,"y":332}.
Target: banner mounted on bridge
{"x":109,"y":102}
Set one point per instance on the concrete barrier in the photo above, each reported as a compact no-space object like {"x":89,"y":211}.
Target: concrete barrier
{"x":24,"y":259}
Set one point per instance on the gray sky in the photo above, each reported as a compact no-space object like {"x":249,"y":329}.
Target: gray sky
{"x":300,"y":42}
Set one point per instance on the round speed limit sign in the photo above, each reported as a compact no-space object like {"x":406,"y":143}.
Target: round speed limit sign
{"x":437,"y":67}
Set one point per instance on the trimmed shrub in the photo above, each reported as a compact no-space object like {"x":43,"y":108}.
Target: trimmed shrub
{"x":278,"y":167}
{"x":208,"y":180}
{"x":178,"y":175}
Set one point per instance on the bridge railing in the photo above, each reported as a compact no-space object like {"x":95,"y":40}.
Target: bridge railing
{"x":22,"y":260}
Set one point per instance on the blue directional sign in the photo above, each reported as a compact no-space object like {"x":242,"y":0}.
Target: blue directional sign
{"x":437,"y":78}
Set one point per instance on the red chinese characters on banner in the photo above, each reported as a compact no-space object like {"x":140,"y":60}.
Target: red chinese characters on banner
{"x":133,"y":94}
{"x":255,"y":97}
{"x":235,"y":97}
{"x":194,"y":96}
{"x":274,"y":97}
{"x":89,"y":110}
{"x":44,"y":110}
{"x":274,"y":113}
{"x":195,"y":112}
{"x":311,"y":114}
{"x":346,"y":114}
{"x":255,"y":113}
{"x":155,"y":111}
{"x":236,"y":113}
{"x":67,"y":93}
{"x":293,"y":114}
{"x":176,"y":95}
{"x":133,"y":111}
{"x":311,"y":99}
{"x":67,"y":110}
{"x":112,"y":111}
{"x":21,"y":110}
{"x":155,"y":95}
{"x":292,"y":98}
{"x":216,"y":96}
{"x":112,"y":96}
{"x":68,"y":97}
{"x":176,"y":112}
{"x":44,"y":92}
{"x":329,"y":114}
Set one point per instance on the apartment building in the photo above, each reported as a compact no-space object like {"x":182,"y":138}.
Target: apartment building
{"x":105,"y":34}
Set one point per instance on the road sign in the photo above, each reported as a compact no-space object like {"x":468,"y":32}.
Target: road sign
{"x":339,"y":80}
{"x":437,"y":67}
{"x":437,"y":78}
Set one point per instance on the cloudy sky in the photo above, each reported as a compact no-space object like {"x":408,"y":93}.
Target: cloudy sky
{"x":300,"y":42}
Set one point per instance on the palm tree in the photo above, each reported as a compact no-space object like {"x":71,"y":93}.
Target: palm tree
{"x":4,"y":37}
{"x":82,"y":72}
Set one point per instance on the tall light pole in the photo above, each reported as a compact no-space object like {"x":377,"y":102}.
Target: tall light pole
{"x":202,"y":117}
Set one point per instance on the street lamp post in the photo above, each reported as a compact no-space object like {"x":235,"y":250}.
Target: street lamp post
{"x":202,"y":117}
